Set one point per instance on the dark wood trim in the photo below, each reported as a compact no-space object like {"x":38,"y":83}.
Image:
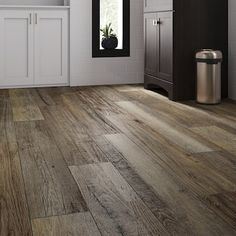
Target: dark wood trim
{"x":96,"y":51}
{"x":153,"y":82}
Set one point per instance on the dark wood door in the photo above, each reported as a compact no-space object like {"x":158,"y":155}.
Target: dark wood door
{"x":150,"y":39}
{"x":158,"y":5}
{"x":165,"y":45}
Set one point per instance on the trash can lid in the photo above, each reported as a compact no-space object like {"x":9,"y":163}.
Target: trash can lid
{"x":209,"y":54}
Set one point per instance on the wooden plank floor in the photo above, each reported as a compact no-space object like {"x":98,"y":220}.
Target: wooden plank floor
{"x":115,"y":160}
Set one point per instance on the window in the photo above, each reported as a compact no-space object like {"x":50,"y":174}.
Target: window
{"x":111,"y":28}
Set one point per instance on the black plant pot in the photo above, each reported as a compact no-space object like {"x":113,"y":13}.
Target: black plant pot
{"x":110,"y":43}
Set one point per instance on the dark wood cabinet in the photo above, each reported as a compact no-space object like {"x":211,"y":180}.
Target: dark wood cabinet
{"x":174,"y":30}
{"x":151,"y":45}
{"x":165,"y":45}
{"x":159,"y":45}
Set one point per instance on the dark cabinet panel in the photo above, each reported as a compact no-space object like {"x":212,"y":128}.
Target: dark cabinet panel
{"x":182,"y":27}
{"x":158,"y":5}
{"x":150,"y":38}
{"x":165,"y":45}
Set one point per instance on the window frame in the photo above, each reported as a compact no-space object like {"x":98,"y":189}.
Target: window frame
{"x":96,"y":51}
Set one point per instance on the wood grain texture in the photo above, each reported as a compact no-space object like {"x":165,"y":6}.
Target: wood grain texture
{"x":174,"y":133}
{"x":141,"y":164}
{"x":197,"y":218}
{"x":158,"y":206}
{"x":114,"y":205}
{"x":224,"y":205}
{"x":80,"y":224}
{"x":218,"y":136}
{"x":222,"y":162}
{"x":194,"y":175}
{"x":14,"y":214}
{"x":23,"y":106}
{"x":50,"y":188}
{"x":95,"y":123}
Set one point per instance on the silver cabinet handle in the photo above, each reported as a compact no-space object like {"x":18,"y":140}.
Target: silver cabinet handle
{"x":30,"y":19}
{"x":36,"y":18}
{"x":154,"y":22}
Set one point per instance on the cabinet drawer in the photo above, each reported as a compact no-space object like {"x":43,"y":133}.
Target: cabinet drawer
{"x":158,"y":5}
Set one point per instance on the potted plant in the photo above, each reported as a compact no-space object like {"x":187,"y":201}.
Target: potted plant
{"x":109,"y":39}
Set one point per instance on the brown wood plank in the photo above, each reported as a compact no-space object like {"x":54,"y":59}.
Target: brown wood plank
{"x":221,"y":162}
{"x":92,"y":98}
{"x":14,"y":214}
{"x":50,"y":187}
{"x":42,"y":97}
{"x":72,"y":137}
{"x":158,"y":207}
{"x":23,"y":106}
{"x":177,"y":135}
{"x":115,"y":207}
{"x":194,"y":175}
{"x":80,"y":224}
{"x":218,"y":136}
{"x":133,"y":87}
{"x":111,"y":94}
{"x":198,"y":219}
{"x":95,"y":123}
{"x":224,"y":204}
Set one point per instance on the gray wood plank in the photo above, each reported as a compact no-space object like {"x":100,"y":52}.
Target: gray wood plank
{"x":50,"y":187}
{"x":198,"y":219}
{"x":23,"y":106}
{"x":80,"y":224}
{"x":114,"y":205}
{"x":14,"y":214}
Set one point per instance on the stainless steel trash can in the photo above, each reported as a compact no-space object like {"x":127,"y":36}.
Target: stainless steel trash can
{"x":209,"y":76}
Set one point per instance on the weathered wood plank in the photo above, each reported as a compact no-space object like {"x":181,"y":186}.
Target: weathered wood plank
{"x":80,"y":224}
{"x":97,"y":102}
{"x":95,"y":123}
{"x":158,"y":207}
{"x":111,"y":94}
{"x":218,"y":136}
{"x":72,"y":137}
{"x":23,"y":106}
{"x":14,"y":214}
{"x":224,"y":204}
{"x":194,"y":175}
{"x":174,"y":133}
{"x":50,"y":187}
{"x":197,"y":218}
{"x":42,"y":97}
{"x":221,"y":162}
{"x":114,"y":205}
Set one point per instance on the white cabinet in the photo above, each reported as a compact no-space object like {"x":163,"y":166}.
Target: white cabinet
{"x":33,"y":47}
{"x":16,"y":48}
{"x":51,"y":43}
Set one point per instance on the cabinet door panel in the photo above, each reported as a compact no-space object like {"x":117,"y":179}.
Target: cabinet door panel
{"x":165,"y":38}
{"x":51,"y":47}
{"x":150,"y":40}
{"x":16,"y":48}
{"x":158,"y":5}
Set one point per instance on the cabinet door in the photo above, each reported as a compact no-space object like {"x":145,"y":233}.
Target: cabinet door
{"x":151,"y":46}
{"x":51,"y":47}
{"x":158,"y":5}
{"x":165,"y":48}
{"x":16,"y":48}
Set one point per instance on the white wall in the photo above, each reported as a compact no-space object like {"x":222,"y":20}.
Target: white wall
{"x":232,"y":49}
{"x":86,"y":70}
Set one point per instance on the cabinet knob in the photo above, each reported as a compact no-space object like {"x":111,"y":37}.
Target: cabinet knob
{"x":156,"y":22}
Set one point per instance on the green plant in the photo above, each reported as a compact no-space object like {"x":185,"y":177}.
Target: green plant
{"x":107,"y":31}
